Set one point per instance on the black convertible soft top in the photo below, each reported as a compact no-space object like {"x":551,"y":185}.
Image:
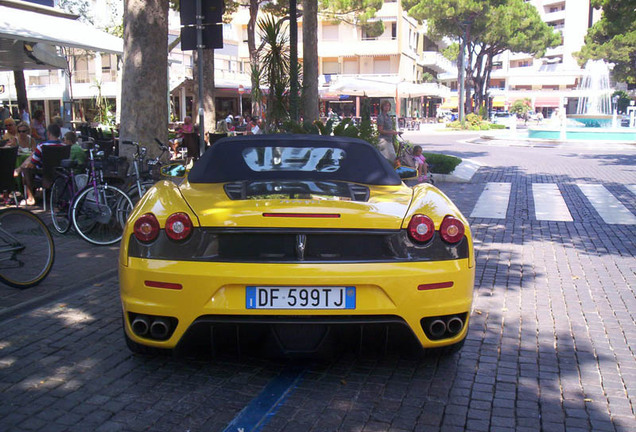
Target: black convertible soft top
{"x":348,"y":159}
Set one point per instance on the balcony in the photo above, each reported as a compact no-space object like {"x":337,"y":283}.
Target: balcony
{"x":553,"y":2}
{"x":437,"y":62}
{"x":554,"y":16}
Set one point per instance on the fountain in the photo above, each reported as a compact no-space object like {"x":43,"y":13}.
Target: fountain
{"x":594,"y":120}
{"x":595,"y":103}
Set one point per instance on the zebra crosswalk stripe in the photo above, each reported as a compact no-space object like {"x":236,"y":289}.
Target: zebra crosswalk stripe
{"x":549,"y":204}
{"x":493,"y":201}
{"x":611,"y":210}
{"x":632,"y":188}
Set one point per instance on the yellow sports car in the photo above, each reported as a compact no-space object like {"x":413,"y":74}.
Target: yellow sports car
{"x":294,"y":241}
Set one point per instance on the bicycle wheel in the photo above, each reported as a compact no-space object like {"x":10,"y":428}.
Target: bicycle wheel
{"x":27,"y":250}
{"x":99,"y":215}
{"x":60,"y":204}
{"x":133,"y":192}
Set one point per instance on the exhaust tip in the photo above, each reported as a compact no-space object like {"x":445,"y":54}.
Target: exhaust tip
{"x":437,"y":328}
{"x":160,"y":328}
{"x":140,"y":325}
{"x":455,"y":325}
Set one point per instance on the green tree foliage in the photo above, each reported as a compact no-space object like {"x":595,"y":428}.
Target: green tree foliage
{"x":613,"y":38}
{"x":488,"y":28}
{"x":521,"y":107}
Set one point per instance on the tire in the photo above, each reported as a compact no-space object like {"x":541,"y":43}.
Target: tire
{"x":133,"y":192}
{"x":27,"y":251}
{"x":100,"y":220}
{"x":60,"y":204}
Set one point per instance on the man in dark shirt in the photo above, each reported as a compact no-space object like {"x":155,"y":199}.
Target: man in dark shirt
{"x":32,"y":166}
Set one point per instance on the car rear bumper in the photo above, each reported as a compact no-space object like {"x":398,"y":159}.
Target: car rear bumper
{"x":215,"y":294}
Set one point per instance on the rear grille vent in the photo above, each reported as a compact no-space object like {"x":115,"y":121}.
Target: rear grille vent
{"x":360,"y":193}
{"x":307,"y":246}
{"x":235,"y":191}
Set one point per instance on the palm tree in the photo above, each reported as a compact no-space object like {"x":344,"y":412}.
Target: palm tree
{"x":274,"y":60}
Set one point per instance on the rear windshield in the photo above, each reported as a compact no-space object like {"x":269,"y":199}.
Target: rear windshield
{"x":293,"y":157}
{"x":308,"y":159}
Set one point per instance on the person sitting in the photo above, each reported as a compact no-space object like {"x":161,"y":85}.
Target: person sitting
{"x":58,"y":121}
{"x":77,"y":152}
{"x":186,"y":128}
{"x":32,"y":166}
{"x":420,"y":163}
{"x":11,"y":135}
{"x":26,"y":143}
{"x":256,"y":127}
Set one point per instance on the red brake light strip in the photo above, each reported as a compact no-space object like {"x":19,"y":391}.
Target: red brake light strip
{"x":438,"y":285}
{"x":302,"y":215}
{"x":166,"y":285}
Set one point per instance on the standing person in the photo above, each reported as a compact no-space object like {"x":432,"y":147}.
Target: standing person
{"x":38,"y":127}
{"x":420,"y":164}
{"x":24,"y":114}
{"x":386,"y":132}
{"x":34,"y":164}
{"x":4,"y":112}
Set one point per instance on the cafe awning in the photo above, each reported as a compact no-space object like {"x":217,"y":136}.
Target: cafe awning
{"x":19,"y":26}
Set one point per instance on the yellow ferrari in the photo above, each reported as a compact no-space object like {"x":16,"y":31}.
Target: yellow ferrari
{"x":294,"y":241}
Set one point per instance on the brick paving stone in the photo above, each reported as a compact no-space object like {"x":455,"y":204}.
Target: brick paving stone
{"x":549,"y":344}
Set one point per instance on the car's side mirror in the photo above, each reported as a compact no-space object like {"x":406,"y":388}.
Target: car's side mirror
{"x":173,"y":170}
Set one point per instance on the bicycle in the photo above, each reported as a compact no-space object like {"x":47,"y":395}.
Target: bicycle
{"x":27,"y":251}
{"x":144,"y":171}
{"x":97,"y":211}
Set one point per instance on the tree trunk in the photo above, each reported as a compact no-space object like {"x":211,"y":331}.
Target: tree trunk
{"x":20,"y":89}
{"x":251,"y":46}
{"x":144,"y":106}
{"x":310,"y":61}
{"x":209,"y":111}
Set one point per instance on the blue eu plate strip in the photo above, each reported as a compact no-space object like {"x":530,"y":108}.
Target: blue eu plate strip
{"x":263,"y":407}
{"x":250,"y":297}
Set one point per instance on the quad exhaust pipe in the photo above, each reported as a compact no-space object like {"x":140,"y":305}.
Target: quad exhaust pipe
{"x":153,"y":327}
{"x":455,"y":325}
{"x":443,"y":327}
{"x":159,"y":328}
{"x":140,"y":325}
{"x":437,"y":328}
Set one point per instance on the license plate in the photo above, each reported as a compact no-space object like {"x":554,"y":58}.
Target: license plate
{"x":268,"y":297}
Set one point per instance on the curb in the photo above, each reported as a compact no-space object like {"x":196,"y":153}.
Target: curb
{"x":462,"y":173}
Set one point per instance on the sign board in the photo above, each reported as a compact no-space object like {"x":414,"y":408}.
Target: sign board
{"x":212,"y":37}
{"x":241,"y":89}
{"x":212,"y":11}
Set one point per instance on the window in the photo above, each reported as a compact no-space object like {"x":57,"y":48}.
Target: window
{"x":330,"y":67}
{"x":350,"y":67}
{"x":394,"y":31}
{"x":381,"y":66}
{"x":330,"y":32}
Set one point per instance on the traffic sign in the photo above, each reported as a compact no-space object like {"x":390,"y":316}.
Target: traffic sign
{"x":241,"y":89}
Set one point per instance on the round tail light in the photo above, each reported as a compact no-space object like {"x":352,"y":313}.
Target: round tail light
{"x":146,"y":228}
{"x":452,"y":229}
{"x":178,"y":226}
{"x":421,"y":228}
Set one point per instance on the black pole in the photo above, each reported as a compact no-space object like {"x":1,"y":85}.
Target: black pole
{"x":200,"y":75}
{"x":293,"y":61}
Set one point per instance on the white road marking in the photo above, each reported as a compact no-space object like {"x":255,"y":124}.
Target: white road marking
{"x":549,"y":204}
{"x":493,"y":201}
{"x":607,"y":206}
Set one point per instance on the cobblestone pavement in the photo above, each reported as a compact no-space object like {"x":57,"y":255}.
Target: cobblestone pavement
{"x":550,"y":346}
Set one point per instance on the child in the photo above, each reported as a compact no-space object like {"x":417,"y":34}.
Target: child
{"x":420,"y":163}
{"x":77,"y":152}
